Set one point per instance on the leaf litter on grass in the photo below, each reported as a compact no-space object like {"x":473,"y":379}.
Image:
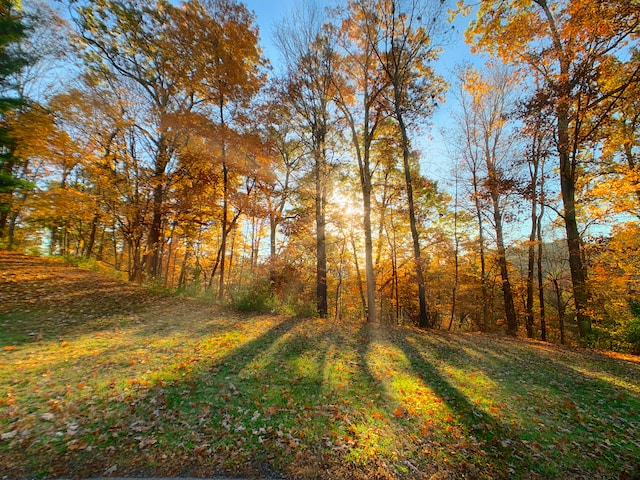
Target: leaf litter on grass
{"x":167,"y":386}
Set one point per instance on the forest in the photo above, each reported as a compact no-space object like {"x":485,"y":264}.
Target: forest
{"x":155,"y":141}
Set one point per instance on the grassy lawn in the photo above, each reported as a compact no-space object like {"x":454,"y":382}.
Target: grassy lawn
{"x":102,"y":379}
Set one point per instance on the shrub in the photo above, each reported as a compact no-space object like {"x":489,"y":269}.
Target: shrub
{"x":632,"y":329}
{"x":257,"y":298}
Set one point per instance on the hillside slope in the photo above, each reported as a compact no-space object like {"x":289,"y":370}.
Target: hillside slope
{"x":100,"y":378}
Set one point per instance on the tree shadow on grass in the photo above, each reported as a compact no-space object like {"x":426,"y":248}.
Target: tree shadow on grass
{"x":169,"y":427}
{"x":238,"y":409}
{"x":561,"y":420}
{"x":490,"y":448}
{"x":395,"y":455}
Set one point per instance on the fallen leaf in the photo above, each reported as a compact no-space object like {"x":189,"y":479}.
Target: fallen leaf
{"x":9,"y":435}
{"x":146,"y":442}
{"x":77,"y":445}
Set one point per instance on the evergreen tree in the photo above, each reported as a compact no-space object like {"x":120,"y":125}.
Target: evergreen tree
{"x":12,"y":30}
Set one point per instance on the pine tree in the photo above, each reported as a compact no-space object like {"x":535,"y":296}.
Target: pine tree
{"x":12,"y":30}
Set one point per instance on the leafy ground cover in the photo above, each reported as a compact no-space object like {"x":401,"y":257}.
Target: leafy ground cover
{"x":99,"y":378}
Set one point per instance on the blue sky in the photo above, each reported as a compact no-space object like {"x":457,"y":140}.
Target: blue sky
{"x":269,"y":13}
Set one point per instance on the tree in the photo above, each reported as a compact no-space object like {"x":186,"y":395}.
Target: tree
{"x":217,"y":44}
{"x":537,"y":133}
{"x":197,"y":59}
{"x":122,"y":44}
{"x":310,"y":59}
{"x":288,"y":151}
{"x":565,"y":43}
{"x":12,"y":31}
{"x":361,"y":90}
{"x":619,"y":141}
{"x":471,"y":161}
{"x":48,"y":52}
{"x":45,"y":49}
{"x":614,"y":265}
{"x":401,"y":36}
{"x":485,"y":103}
{"x":100,"y":123}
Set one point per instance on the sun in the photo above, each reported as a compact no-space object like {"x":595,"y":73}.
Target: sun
{"x":346,"y":205}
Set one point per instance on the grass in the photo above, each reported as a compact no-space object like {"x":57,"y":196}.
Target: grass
{"x":102,"y":379}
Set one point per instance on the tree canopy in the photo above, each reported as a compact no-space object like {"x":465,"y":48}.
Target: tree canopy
{"x":174,"y":153}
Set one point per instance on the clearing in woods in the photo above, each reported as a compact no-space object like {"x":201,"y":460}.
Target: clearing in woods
{"x":101,"y":378}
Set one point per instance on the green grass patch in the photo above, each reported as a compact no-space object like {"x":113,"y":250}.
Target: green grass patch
{"x":174,"y":387}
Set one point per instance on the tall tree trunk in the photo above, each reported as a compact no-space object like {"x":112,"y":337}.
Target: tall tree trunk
{"x":13,"y":220}
{"x":396,"y":280}
{"x":275,"y":216}
{"x":114,"y":240}
{"x":507,"y":293}
{"x":358,"y":275}
{"x":6,"y":198}
{"x":568,"y":160}
{"x":225,"y":203}
{"x":11,"y":233}
{"x":4,"y":217}
{"x":224,"y":232}
{"x":135,"y":262}
{"x":168,"y":263}
{"x":390,"y":235}
{"x":273,"y":228}
{"x":372,"y":314}
{"x":561,"y":309}
{"x":230,"y":265}
{"x":182,"y":278}
{"x":423,"y":319}
{"x":92,"y":236}
{"x":321,"y":243}
{"x":484,"y":292}
{"x":152,"y":258}
{"x":363,"y":156}
{"x":456,"y":253}
{"x":53,"y":242}
{"x":543,"y":319}
{"x":568,"y":192}
{"x":338,"y":300}
{"x":529,"y":318}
